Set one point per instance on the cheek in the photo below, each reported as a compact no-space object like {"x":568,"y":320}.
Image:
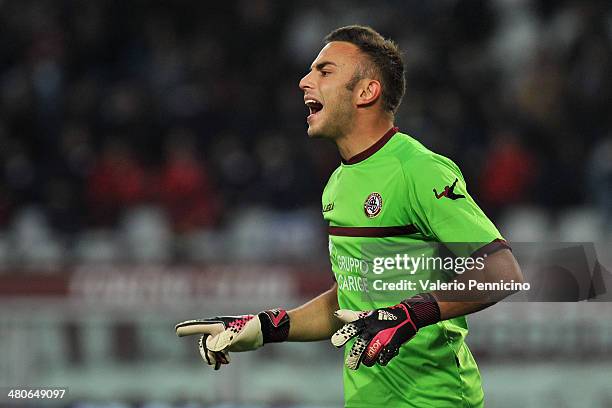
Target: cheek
{"x":335,"y":99}
{"x":341,"y":102}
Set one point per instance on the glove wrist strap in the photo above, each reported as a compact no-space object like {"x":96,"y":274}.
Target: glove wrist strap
{"x":424,"y":309}
{"x":274,"y":325}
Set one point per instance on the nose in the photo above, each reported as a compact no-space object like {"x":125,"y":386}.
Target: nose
{"x":306,"y":82}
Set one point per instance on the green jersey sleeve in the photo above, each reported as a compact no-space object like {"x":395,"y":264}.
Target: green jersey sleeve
{"x":442,"y":208}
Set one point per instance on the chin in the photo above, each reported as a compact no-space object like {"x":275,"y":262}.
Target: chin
{"x":321,"y":130}
{"x":314,"y":133}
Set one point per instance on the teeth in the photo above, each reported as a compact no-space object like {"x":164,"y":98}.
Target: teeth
{"x":313,"y":105}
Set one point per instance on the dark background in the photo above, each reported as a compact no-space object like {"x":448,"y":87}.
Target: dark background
{"x":154,"y":167}
{"x":194,"y":106}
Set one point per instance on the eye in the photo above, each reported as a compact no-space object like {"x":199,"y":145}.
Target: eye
{"x":325,"y":73}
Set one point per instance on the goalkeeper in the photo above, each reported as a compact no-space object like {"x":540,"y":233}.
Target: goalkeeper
{"x":401,"y":351}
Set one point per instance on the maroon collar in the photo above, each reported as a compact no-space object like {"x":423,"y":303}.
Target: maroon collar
{"x":372,"y":149}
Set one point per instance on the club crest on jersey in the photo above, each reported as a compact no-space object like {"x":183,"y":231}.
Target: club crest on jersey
{"x":373,"y":205}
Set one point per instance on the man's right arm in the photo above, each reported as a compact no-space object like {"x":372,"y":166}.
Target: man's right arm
{"x":312,"y":321}
{"x":315,"y":319}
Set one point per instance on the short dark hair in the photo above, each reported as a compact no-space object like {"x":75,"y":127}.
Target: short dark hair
{"x":386,"y":62}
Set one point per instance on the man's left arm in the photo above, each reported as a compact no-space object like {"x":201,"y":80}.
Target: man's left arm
{"x":380,"y":333}
{"x":456,"y":221}
{"x":500,"y":266}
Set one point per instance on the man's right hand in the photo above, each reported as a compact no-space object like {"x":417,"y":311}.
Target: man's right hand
{"x":220,"y":335}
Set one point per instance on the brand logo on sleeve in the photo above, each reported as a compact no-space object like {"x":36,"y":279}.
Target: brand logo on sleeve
{"x":448,"y":192}
{"x":373,"y":205}
{"x":328,"y":207}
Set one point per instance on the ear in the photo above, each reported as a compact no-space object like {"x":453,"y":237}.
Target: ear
{"x":368,"y":91}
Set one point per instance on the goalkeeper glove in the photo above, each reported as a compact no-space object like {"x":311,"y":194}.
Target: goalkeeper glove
{"x":381,"y":332}
{"x":223,"y":334}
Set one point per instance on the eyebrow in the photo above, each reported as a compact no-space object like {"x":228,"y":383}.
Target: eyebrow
{"x":323,"y":64}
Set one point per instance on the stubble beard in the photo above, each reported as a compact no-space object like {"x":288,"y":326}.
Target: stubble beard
{"x":338,"y":122}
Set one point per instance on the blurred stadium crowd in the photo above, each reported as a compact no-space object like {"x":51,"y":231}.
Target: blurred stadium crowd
{"x":184,"y":119}
{"x":158,"y":132}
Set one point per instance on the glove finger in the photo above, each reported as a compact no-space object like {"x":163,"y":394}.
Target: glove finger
{"x":355,"y":355}
{"x":213,"y":358}
{"x":379,"y":342}
{"x":240,"y":338}
{"x":219,"y":357}
{"x":220,"y":341}
{"x":199,"y":326}
{"x":217,"y":365}
{"x":346,"y":332}
{"x":222,"y":356}
{"x":386,"y":354}
{"x":371,"y":353}
{"x":206,"y":354}
{"x":349,"y":316}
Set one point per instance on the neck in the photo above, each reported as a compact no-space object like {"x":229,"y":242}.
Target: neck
{"x":362,"y":135}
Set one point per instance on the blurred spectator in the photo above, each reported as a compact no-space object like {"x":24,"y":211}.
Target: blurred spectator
{"x":64,"y":191}
{"x":590,"y":80}
{"x":508,"y":172}
{"x":541,"y":92}
{"x":185,"y":188}
{"x":116,"y":181}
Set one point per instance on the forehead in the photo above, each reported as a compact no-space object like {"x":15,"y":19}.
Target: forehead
{"x":338,"y":52}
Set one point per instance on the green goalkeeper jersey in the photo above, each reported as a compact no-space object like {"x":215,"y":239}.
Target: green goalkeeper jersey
{"x":400,"y":196}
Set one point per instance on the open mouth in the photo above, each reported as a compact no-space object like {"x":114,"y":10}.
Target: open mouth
{"x":314,"y":106}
